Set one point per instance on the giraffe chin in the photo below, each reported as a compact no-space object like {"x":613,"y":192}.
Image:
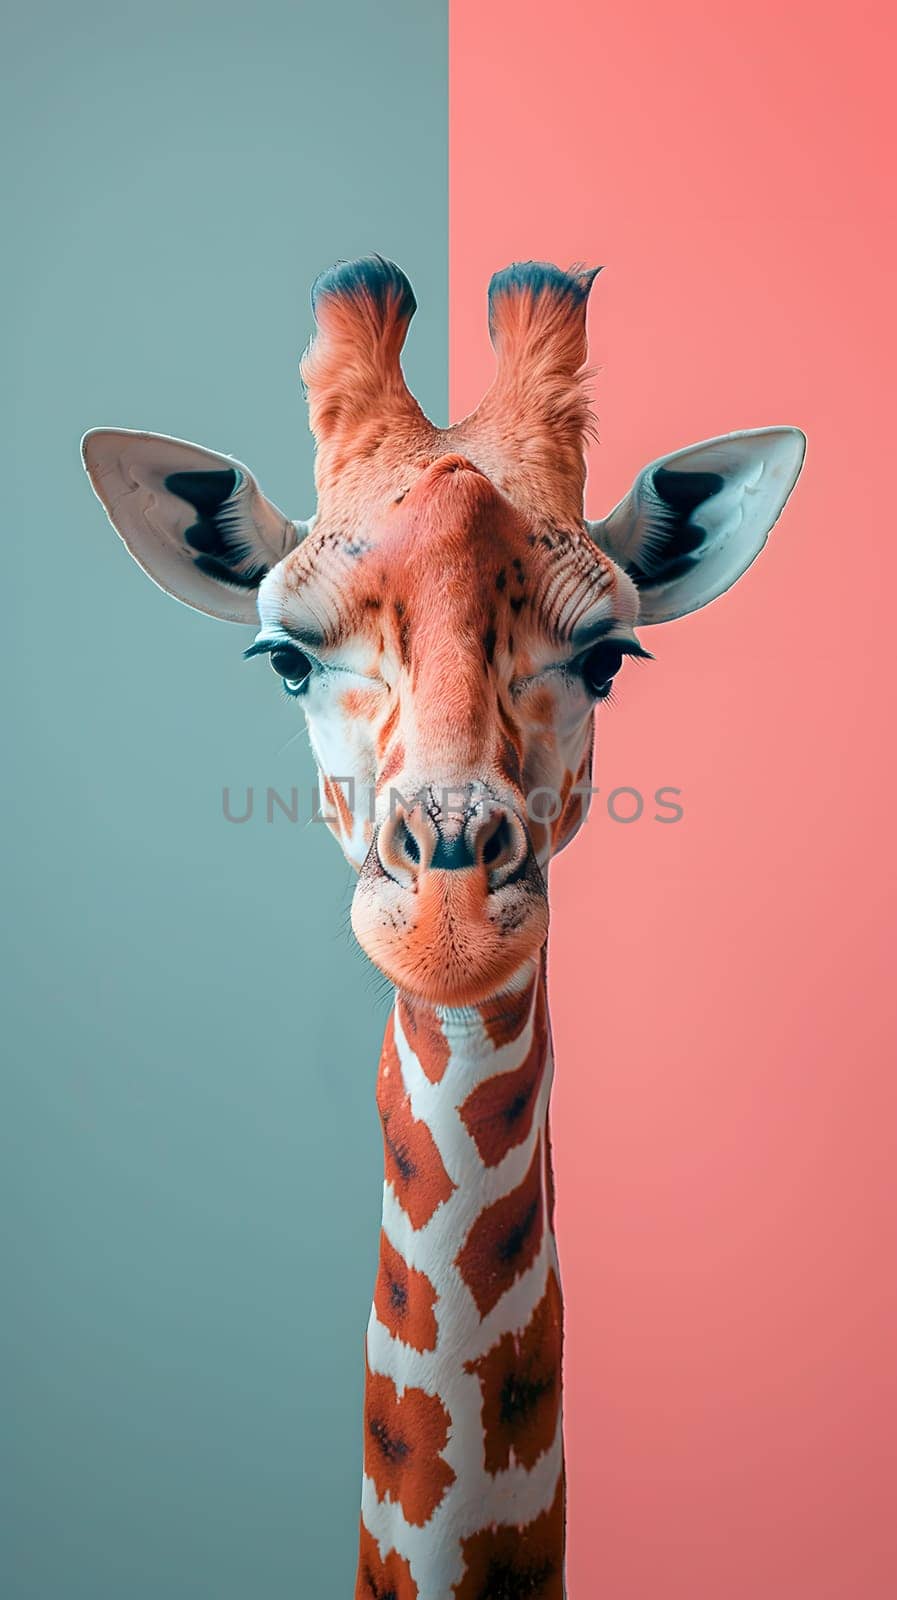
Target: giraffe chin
{"x":449,"y":940}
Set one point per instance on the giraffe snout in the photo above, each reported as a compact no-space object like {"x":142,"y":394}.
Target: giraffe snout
{"x":485,"y":835}
{"x":451,"y":902}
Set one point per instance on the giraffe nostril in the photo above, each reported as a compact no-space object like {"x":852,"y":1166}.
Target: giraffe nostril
{"x":501,"y":845}
{"x":408,"y":844}
{"x":497,"y":842}
{"x":404,"y":847}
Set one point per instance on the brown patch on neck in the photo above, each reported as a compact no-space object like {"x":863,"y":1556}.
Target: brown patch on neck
{"x":404,"y":1436}
{"x":413,"y":1164}
{"x":382,"y":1577}
{"x":423,"y":1031}
{"x":404,"y":1299}
{"x":520,"y":1382}
{"x":498,"y":1115}
{"x":516,"y":1560}
{"x":504,"y":1241}
{"x":504,"y":1020}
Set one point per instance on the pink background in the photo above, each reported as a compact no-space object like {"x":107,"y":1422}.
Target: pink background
{"x":723,"y":998}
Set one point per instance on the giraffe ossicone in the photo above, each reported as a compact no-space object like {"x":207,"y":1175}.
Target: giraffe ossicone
{"x":449,"y":621}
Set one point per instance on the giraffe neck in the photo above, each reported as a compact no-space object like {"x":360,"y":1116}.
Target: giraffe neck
{"x":463,"y":1495}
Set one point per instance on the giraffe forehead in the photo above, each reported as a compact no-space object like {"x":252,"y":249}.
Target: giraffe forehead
{"x":424,"y":581}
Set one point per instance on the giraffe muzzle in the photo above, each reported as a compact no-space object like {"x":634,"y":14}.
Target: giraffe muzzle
{"x":451,"y":903}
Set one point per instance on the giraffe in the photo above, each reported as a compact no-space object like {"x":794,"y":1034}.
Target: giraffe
{"x":449,"y":621}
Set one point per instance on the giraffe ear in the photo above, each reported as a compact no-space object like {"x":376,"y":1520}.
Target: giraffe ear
{"x":694,"y":521}
{"x":195,"y":521}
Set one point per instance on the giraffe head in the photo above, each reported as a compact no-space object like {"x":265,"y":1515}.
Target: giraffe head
{"x":448,"y":621}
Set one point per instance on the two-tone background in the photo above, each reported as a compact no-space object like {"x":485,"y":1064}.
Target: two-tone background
{"x":191,"y":1161}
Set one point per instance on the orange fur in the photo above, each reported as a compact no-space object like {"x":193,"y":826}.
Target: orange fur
{"x":529,"y":431}
{"x":362,"y":413}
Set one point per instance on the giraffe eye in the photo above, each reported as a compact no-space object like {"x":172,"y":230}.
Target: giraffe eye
{"x":599,"y":668}
{"x":291,"y":665}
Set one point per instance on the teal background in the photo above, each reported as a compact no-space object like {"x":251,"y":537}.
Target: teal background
{"x":190,"y":1151}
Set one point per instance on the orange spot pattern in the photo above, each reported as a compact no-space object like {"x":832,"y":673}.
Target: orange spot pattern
{"x":506,"y":1022}
{"x":403,"y":1439}
{"x":404,"y":1299}
{"x":414,"y":1166}
{"x":382,"y":1578}
{"x":423,"y":1030}
{"x":520,"y":1381}
{"x":504,"y":1241}
{"x":499,"y":1113}
{"x":516,"y":1562}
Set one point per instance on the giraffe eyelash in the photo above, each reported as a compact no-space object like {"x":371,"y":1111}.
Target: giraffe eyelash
{"x":626,"y":647}
{"x":293,"y":684}
{"x":574,"y":670}
{"x":266,"y":647}
{"x":597,"y":667}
